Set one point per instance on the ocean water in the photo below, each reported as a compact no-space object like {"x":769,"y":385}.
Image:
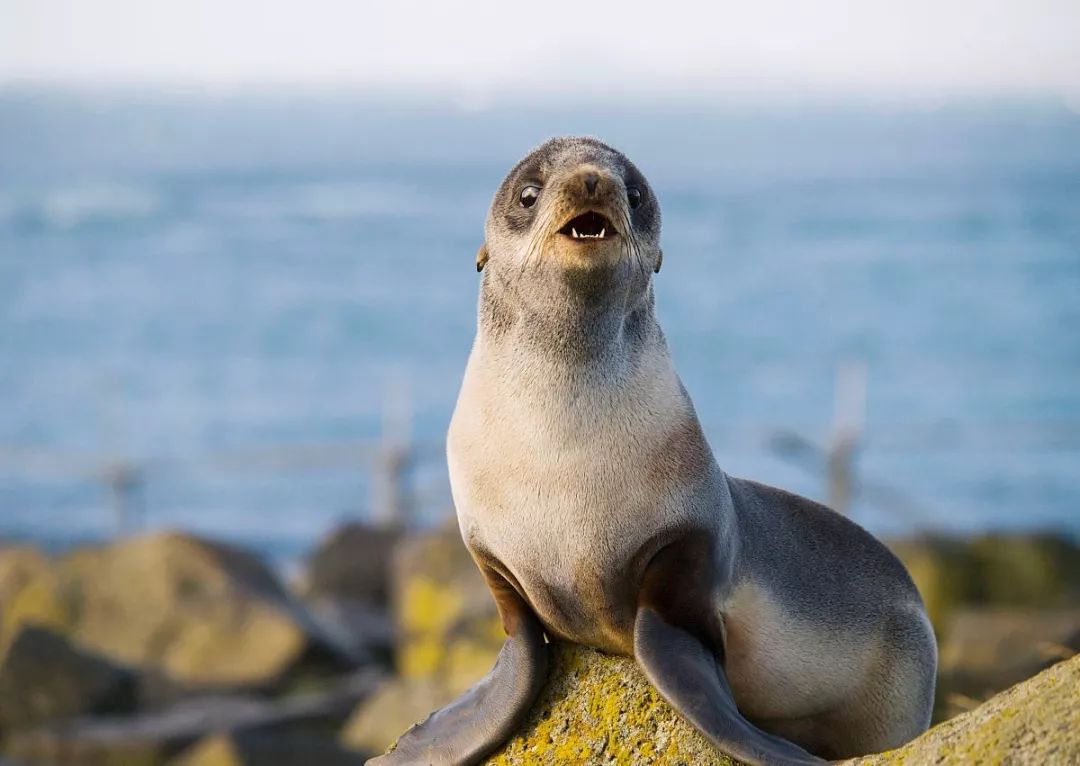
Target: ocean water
{"x":197,"y":284}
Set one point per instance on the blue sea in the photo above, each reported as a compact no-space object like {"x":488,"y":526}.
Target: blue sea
{"x":200,"y":284}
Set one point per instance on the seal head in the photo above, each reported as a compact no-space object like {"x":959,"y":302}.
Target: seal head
{"x":577,"y":205}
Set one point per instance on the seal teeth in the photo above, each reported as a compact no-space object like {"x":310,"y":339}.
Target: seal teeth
{"x":587,"y":226}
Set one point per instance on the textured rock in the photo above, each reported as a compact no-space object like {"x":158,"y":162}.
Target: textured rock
{"x":1036,"y":722}
{"x":43,"y":677}
{"x":597,"y":709}
{"x":204,"y":613}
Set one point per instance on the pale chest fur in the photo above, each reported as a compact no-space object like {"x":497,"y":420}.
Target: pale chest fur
{"x":570,"y":485}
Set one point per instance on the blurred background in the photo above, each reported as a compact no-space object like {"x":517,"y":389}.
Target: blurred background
{"x":237,"y":294}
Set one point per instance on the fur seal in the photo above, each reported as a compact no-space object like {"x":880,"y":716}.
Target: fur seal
{"x":592,"y":504}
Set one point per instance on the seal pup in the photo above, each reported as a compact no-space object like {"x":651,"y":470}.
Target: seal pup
{"x":592,"y":504}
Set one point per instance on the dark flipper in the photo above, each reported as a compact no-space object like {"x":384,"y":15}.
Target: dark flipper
{"x":485,"y":716}
{"x":674,"y":621}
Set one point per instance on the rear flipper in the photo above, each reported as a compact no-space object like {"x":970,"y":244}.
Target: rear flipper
{"x":477,"y":722}
{"x":673,"y":614}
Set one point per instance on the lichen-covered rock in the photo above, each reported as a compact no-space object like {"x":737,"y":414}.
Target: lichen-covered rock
{"x":204,"y":613}
{"x":597,"y":709}
{"x":1036,"y":722}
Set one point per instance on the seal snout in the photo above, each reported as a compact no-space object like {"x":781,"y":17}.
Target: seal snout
{"x":589,"y":188}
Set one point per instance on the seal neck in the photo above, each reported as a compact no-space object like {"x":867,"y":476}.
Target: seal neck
{"x":578,"y":324}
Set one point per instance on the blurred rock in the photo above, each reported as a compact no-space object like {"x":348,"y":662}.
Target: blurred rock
{"x":19,"y":564}
{"x":366,"y":632}
{"x":44,"y":677}
{"x":1023,"y":570}
{"x":986,"y":651}
{"x":204,"y":613}
{"x":353,"y":564}
{"x":151,"y":740}
{"x":1036,"y":722}
{"x":449,"y":635}
{"x":448,"y":627}
{"x":29,"y":592}
{"x":1028,"y":570}
{"x":266,"y":749}
{"x":394,"y":707}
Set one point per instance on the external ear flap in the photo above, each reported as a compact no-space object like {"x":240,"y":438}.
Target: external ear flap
{"x":481,"y":257}
{"x":659,"y":261}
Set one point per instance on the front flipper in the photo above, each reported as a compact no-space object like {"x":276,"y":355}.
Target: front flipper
{"x":481,"y":719}
{"x":673,"y":616}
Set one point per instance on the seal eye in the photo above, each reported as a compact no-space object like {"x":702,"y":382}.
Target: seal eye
{"x":633,"y":194}
{"x":528,"y":196}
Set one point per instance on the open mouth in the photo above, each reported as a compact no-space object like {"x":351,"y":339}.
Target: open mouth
{"x":588,"y":226}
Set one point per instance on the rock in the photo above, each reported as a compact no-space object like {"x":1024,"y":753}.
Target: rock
{"x":201,"y":612}
{"x":365,"y":631}
{"x":943,"y":572}
{"x":1036,"y":722}
{"x":449,"y":635}
{"x":394,"y":707}
{"x":353,"y":564}
{"x":152,"y":739}
{"x":447,"y":623}
{"x":265,"y":749}
{"x":43,"y":677}
{"x":29,"y":592}
{"x":598,"y":709}
{"x":985,"y":651}
{"x":1021,"y":570}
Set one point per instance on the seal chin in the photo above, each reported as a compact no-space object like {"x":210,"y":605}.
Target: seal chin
{"x":588,"y":228}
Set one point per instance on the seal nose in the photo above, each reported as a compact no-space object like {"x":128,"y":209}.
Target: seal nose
{"x":590,"y":179}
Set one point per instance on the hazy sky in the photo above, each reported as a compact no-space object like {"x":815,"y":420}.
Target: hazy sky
{"x":903,"y":48}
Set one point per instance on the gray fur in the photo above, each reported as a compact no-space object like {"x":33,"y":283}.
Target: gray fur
{"x":576,"y":456}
